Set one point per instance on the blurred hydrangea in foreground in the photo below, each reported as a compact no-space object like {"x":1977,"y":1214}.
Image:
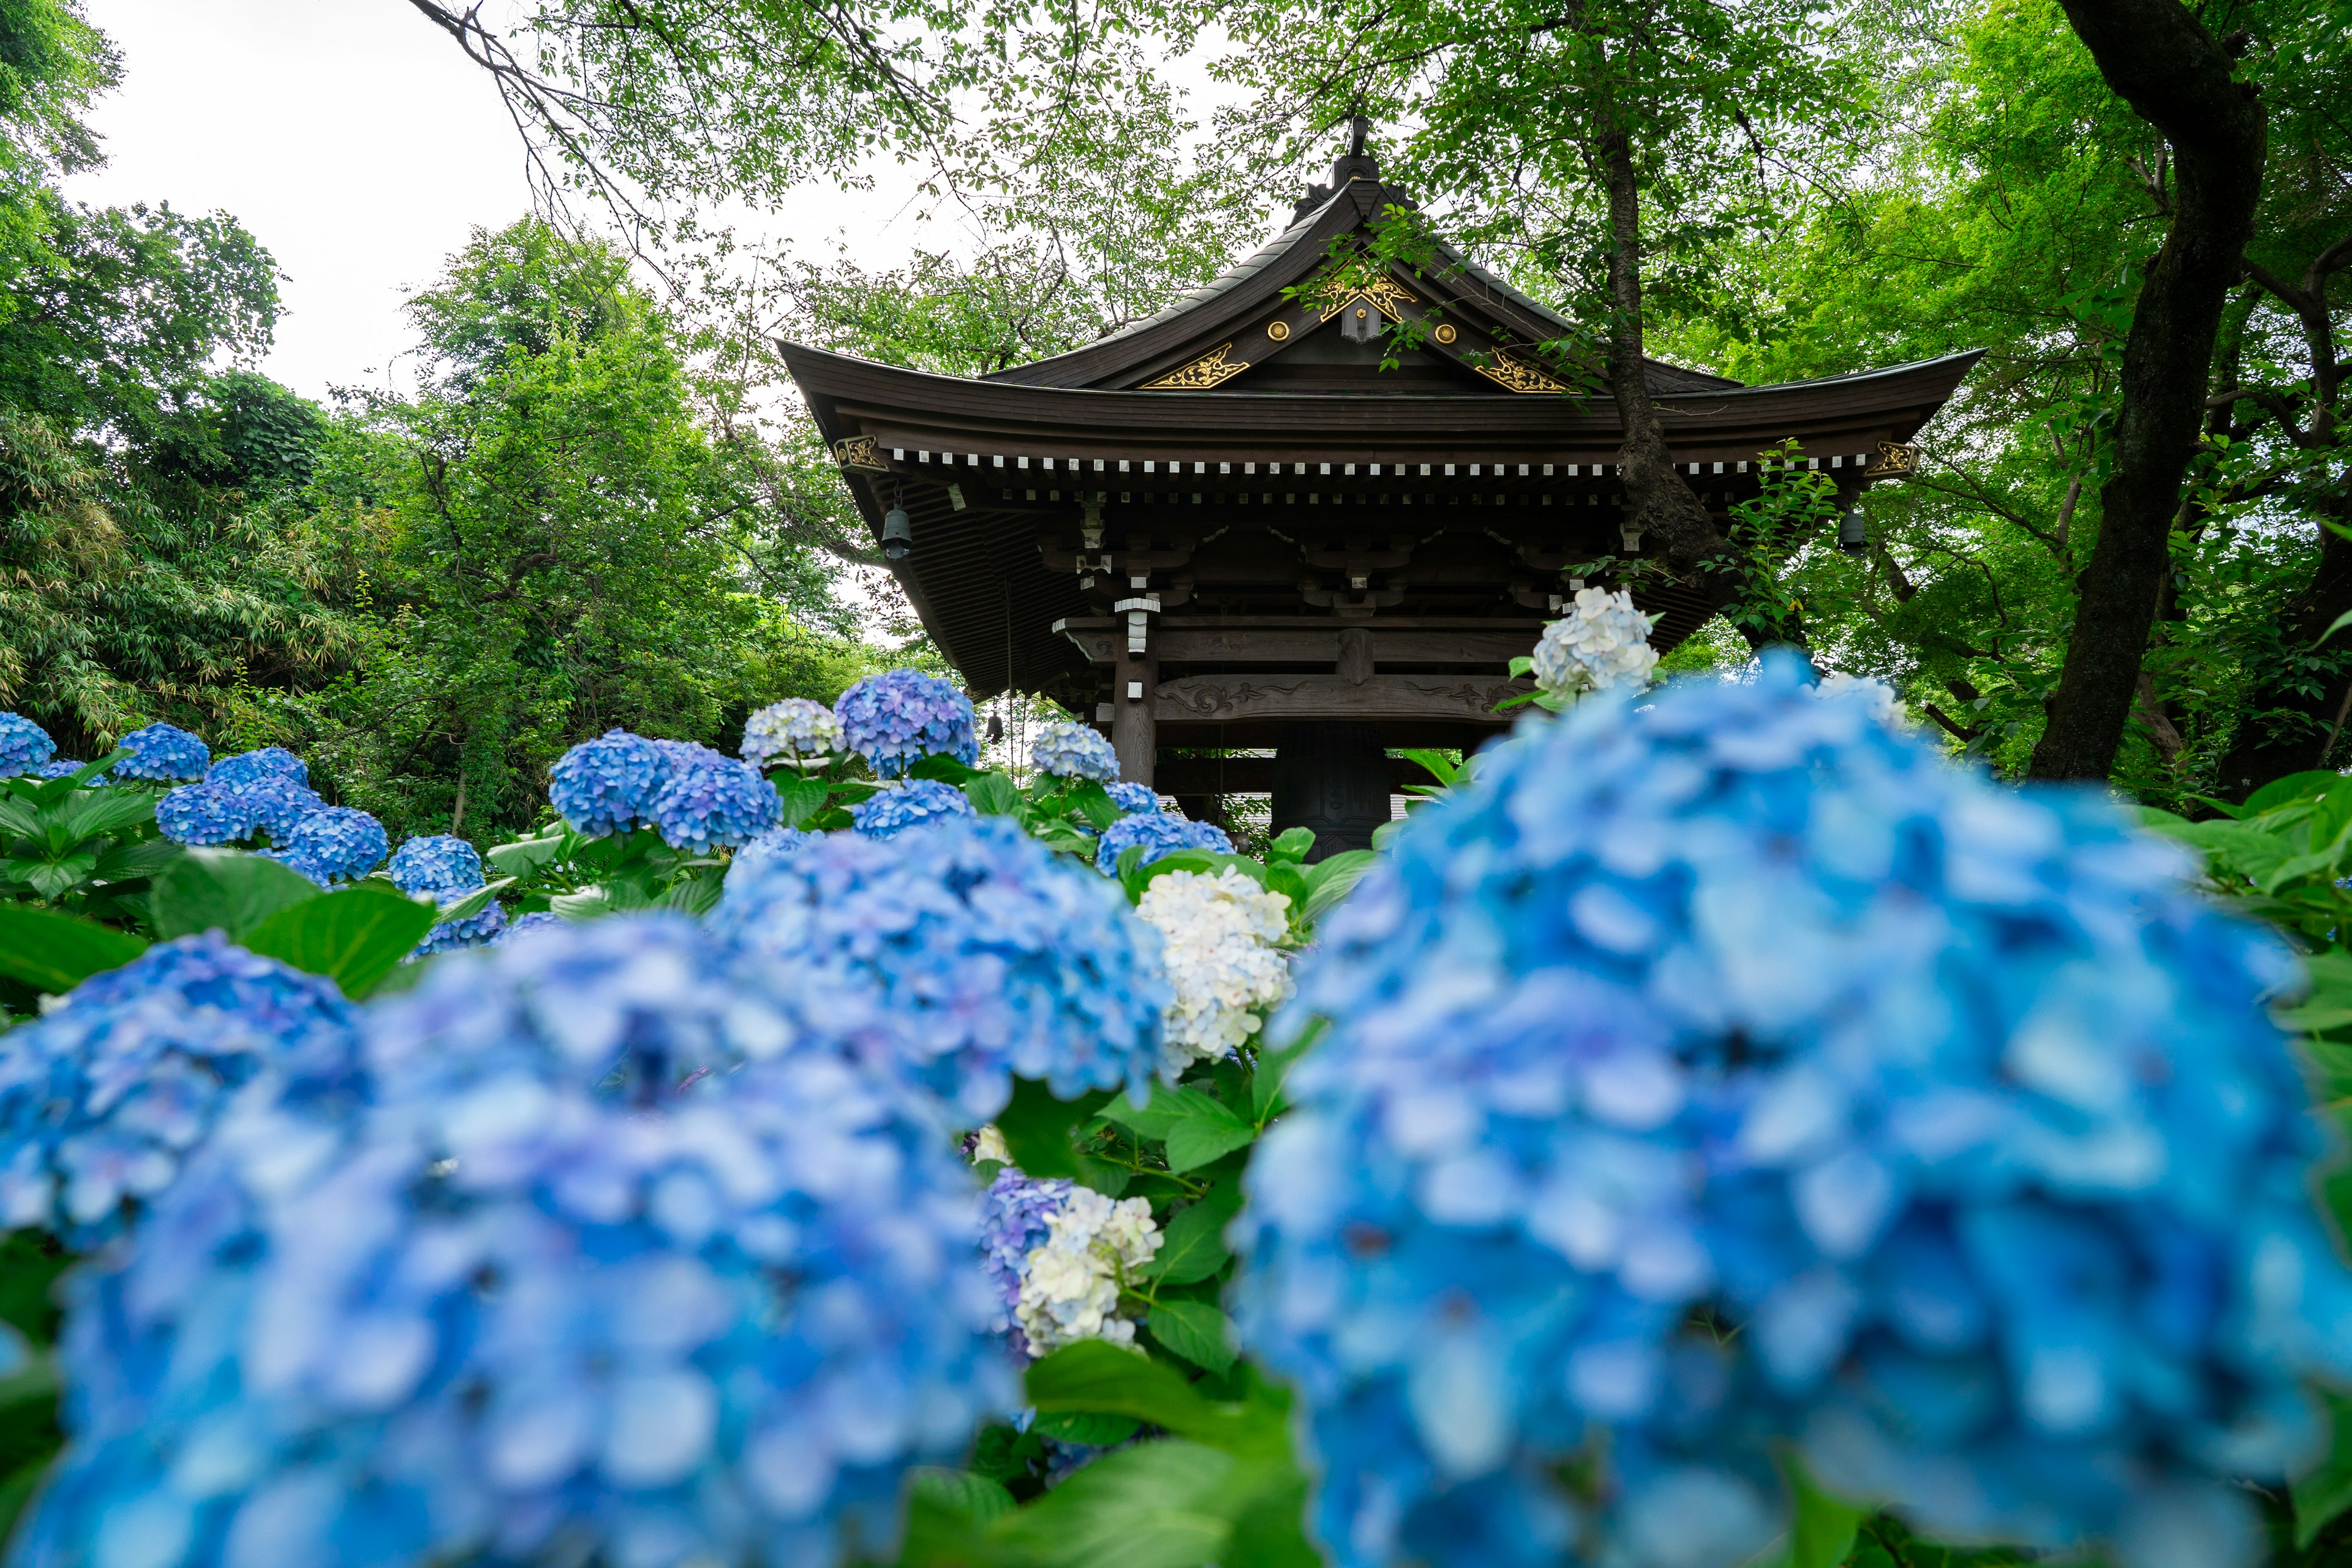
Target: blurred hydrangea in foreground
{"x":1219,"y":933}
{"x":897,"y":718}
{"x":544,"y":1300}
{"x":963,"y":953}
{"x":102,"y":1098}
{"x":1947,"y":1107}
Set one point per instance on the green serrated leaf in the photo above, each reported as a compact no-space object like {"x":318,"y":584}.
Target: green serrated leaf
{"x":1821,"y":1527}
{"x":992,"y":795}
{"x":1192,"y":1245}
{"x":224,"y":890}
{"x":1158,"y":1505}
{"x":947,"y":770}
{"x":1098,"y":1431}
{"x":524,"y":857}
{"x":353,"y":936}
{"x":1093,"y":803}
{"x":473,"y":903}
{"x":2294,"y":787}
{"x":53,"y":951}
{"x":1292,"y":844}
{"x":1093,"y":1375}
{"x":798,"y":798}
{"x":1196,"y":1331}
{"x":1205,"y":1129}
{"x":1037,"y":1130}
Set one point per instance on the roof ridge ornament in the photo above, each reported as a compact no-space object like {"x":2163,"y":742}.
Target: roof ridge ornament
{"x":1210,"y":369}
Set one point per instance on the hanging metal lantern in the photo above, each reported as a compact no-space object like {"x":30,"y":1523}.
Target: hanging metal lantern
{"x":1854,"y":536}
{"x":897,"y":534}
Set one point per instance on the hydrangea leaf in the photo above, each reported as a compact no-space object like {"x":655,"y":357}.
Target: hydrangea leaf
{"x":1094,"y":803}
{"x":1333,"y":879}
{"x":798,"y":798}
{"x":124,"y":862}
{"x":53,"y":951}
{"x":1821,"y":1532}
{"x":208,"y":890}
{"x":1094,"y":1431}
{"x":1096,"y":1376}
{"x":992,"y":795}
{"x":1196,"y":1331}
{"x":2302,"y":787}
{"x":353,"y":936}
{"x":1037,"y":1129}
{"x":943,"y":768}
{"x":525,"y":856}
{"x":2326,"y":1491}
{"x":477,"y":901}
{"x":1159,"y":1505}
{"x":1205,"y":1129}
{"x":945,"y":1511}
{"x":1192,"y":1245}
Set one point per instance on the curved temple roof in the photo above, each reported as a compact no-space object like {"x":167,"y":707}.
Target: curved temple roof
{"x":1256,"y":443}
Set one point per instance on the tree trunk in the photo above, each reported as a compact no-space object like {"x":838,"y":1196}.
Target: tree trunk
{"x":2161,"y":60}
{"x":1658,"y":504}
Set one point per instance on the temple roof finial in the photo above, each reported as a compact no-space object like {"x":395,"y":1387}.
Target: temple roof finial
{"x":1358,"y":164}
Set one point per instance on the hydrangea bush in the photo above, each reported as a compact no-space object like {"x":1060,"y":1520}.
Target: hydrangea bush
{"x":1602,"y":643}
{"x":897,"y":718}
{"x":162,"y":751}
{"x":794,"y":731}
{"x":892,"y":811}
{"x":23,"y":745}
{"x":1073,"y":751}
{"x":1221,"y":937}
{"x":1735,"y":1071}
{"x":1158,"y":835}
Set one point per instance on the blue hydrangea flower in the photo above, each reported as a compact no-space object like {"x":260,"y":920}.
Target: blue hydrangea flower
{"x":1159,"y":833}
{"x":334,"y":844}
{"x":1012,"y":1224}
{"x":273,"y":803}
{"x":1073,"y":752}
{"x":538,"y":920}
{"x":909,"y":805}
{"x":267,"y":761}
{"x":711,"y":802}
{"x":525,"y":1308}
{"x":774,"y":844}
{"x":23,"y":745}
{"x":963,"y":956}
{"x":163,"y":752}
{"x":1949,"y":1109}
{"x":102,"y":1098}
{"x":205,"y":814}
{"x":795,"y":729}
{"x":1130,"y":797}
{"x":897,"y":718}
{"x":436,"y":863}
{"x":479,"y":929}
{"x":606,"y":785}
{"x":65,"y":767}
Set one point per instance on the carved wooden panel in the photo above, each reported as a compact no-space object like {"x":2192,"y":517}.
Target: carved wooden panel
{"x":1222,"y":699}
{"x":1180,"y":644}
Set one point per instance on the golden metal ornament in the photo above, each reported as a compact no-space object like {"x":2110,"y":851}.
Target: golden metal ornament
{"x":1210,"y":369}
{"x":1517,"y":375}
{"x":1277,"y":330}
{"x":1445,"y":332}
{"x":860,"y":454}
{"x":1382,"y":293}
{"x":1895,"y":461}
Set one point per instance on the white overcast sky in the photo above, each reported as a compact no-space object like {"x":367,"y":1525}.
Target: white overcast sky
{"x":358,"y":144}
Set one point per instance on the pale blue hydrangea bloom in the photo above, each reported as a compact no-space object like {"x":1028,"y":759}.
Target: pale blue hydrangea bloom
{"x":104,"y":1097}
{"x":23,"y":745}
{"x":1132,"y":798}
{"x":1948,"y":1105}
{"x":606,"y":785}
{"x":897,"y":718}
{"x":163,"y":752}
{"x":1073,"y":752}
{"x":261,"y":763}
{"x":549,"y":1298}
{"x":1012,"y":1218}
{"x":1159,"y":834}
{"x":774,"y":844}
{"x":964,"y":955}
{"x":794,"y":730}
{"x":907,"y":805}
{"x":483,"y":927}
{"x":538,"y":920}
{"x":708,"y":801}
{"x":204,"y":814}
{"x":435,"y":863}
{"x":334,"y":844}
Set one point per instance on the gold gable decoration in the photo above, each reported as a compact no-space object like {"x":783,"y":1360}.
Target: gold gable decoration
{"x":1211,"y":369}
{"x":859,"y":454}
{"x":1381,"y":292}
{"x":1895,"y":461}
{"x":1515,"y":374}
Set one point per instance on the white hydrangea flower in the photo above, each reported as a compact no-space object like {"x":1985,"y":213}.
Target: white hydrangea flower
{"x":1603,"y":642}
{"x":1218,"y":951}
{"x":988,"y":1144}
{"x":1069,"y":1286}
{"x":1867,"y":690}
{"x":796,"y":729}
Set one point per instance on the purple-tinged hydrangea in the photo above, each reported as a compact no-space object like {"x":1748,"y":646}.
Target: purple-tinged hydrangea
{"x":910,"y":804}
{"x":963,"y":956}
{"x":1071,"y":751}
{"x":1158,"y":834}
{"x":104,"y":1097}
{"x":204,"y":814}
{"x":546,"y":1299}
{"x":481,"y":929}
{"x":1132,"y":798}
{"x":897,"y":718}
{"x":23,"y":745}
{"x":265,"y":762}
{"x":606,"y":785}
{"x":793,"y":730}
{"x":709,"y":801}
{"x":1947,"y":1109}
{"x":163,"y":752}
{"x":334,"y":844}
{"x":435,"y":863}
{"x":1012,"y":1225}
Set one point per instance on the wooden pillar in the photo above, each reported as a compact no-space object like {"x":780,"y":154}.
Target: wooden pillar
{"x":1133,"y":734}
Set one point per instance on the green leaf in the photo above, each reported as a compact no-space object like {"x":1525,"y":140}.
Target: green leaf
{"x":1037,"y":1129}
{"x":1092,"y":1375}
{"x":53,"y":879}
{"x":2294,"y":787}
{"x":1158,"y":1505}
{"x":2326,"y":1491}
{"x":1822,"y":1530}
{"x":1193,"y":1245}
{"x":799,"y":797}
{"x":946,"y":1511}
{"x":1436,"y":764}
{"x":1205,"y":1129}
{"x":947,"y":770}
{"x":17,"y":819}
{"x":1098,"y":1431}
{"x":224,"y":890}
{"x":1334,"y":879}
{"x":1196,"y":1331}
{"x":1292,"y":844}
{"x":353,"y":936}
{"x":1522,"y":664}
{"x":1150,"y":1120}
{"x":525,"y":856}
{"x":92,"y":812}
{"x":1093,"y":803}
{"x":53,"y":951}
{"x":2337,"y":625}
{"x":992,"y":795}
{"x":127,"y":862}
{"x":976,"y":1497}
{"x":473,"y":903}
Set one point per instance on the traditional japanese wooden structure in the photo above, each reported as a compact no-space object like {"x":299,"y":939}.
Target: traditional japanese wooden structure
{"x":1264,"y":518}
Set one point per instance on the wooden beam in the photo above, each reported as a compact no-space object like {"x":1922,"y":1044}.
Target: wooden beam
{"x":1231,"y":698}
{"x":1196,"y":777}
{"x":1491,"y":646}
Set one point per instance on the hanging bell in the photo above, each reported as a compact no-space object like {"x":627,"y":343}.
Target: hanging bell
{"x":1854,"y":536}
{"x":897,"y":534}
